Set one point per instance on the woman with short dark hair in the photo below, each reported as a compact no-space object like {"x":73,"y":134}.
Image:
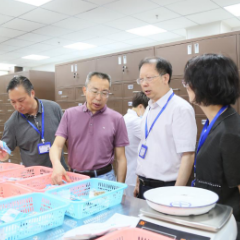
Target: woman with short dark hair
{"x":212,"y":83}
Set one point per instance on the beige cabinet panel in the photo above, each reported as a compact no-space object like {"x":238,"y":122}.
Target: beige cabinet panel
{"x":130,"y":89}
{"x":115,"y":105}
{"x":83,"y":69}
{"x":79,"y":94}
{"x":110,"y":65}
{"x":177,"y":87}
{"x":65,"y":94}
{"x":115,"y":90}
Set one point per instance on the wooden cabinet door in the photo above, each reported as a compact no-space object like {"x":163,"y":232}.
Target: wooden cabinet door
{"x":83,"y":69}
{"x":226,"y":46}
{"x":131,"y":60}
{"x":110,"y":65}
{"x":79,"y":95}
{"x":65,"y":94}
{"x":115,"y":105}
{"x":64,"y":76}
{"x":177,"y":87}
{"x":116,"y":90}
{"x":130,"y":89}
{"x":177,"y":55}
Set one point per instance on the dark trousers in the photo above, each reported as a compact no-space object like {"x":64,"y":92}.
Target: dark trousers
{"x":147,"y":184}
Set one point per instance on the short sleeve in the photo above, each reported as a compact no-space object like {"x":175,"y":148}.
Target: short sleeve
{"x":9,"y":136}
{"x":121,"y":136}
{"x":63,"y":126}
{"x":184,"y":129}
{"x":230,"y":152}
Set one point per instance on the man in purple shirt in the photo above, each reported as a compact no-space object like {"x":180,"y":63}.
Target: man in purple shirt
{"x":94,"y":132}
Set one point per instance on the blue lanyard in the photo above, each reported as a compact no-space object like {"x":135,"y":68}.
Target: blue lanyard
{"x":41,"y":134}
{"x":205,"y":132}
{"x":164,"y":107}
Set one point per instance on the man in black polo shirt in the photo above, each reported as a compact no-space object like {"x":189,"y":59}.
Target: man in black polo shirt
{"x":32,"y":126}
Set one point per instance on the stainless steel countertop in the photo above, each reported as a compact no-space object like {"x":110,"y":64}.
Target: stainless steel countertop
{"x":129,"y":206}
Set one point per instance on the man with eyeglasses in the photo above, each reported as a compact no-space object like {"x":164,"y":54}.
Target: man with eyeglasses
{"x":168,"y":131}
{"x":94,"y":133}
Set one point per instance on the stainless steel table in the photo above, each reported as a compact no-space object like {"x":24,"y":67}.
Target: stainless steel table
{"x":129,"y":206}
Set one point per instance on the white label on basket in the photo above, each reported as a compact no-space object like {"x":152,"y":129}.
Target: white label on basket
{"x":59,"y":92}
{"x":10,"y":215}
{"x":130,"y":104}
{"x":130,"y":86}
{"x":65,"y":194}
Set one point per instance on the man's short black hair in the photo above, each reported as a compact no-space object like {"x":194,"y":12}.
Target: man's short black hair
{"x":213,"y":78}
{"x":162,"y":65}
{"x":140,"y":98}
{"x":20,"y":80}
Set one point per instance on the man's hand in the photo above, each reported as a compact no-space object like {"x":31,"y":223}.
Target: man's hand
{"x":3,"y":155}
{"x":58,"y":173}
{"x":136,"y":189}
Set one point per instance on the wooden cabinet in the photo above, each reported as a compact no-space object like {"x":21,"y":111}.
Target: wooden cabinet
{"x":177,"y":87}
{"x":177,"y":55}
{"x":123,"y":66}
{"x":80,"y":97}
{"x":65,"y":94}
{"x":110,"y":66}
{"x":115,"y":105}
{"x":127,"y":104}
{"x":115,"y":90}
{"x":130,"y":89}
{"x":83,"y":69}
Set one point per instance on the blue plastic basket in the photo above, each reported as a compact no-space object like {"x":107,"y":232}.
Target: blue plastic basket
{"x":49,"y":213}
{"x":112,"y":195}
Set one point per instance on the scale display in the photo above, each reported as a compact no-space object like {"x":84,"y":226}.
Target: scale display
{"x":169,"y":232}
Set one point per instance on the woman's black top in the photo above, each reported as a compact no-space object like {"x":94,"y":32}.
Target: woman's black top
{"x":218,"y":161}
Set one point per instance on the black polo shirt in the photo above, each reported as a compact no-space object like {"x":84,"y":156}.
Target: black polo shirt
{"x":218,"y":160}
{"x":18,"y":132}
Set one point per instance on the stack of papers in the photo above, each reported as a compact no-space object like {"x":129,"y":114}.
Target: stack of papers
{"x":88,"y":231}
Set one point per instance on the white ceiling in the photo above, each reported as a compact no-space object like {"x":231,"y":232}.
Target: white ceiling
{"x":44,"y":30}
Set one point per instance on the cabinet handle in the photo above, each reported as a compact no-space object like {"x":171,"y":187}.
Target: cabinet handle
{"x":136,"y":91}
{"x":203,"y":121}
{"x":124,"y":69}
{"x":82,"y":95}
{"x":64,"y":96}
{"x":8,"y":100}
{"x":176,"y":89}
{"x":10,"y":110}
{"x":110,"y":93}
{"x":65,"y":153}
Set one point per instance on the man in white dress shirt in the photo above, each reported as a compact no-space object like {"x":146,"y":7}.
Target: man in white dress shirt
{"x":133,"y":123}
{"x":168,"y":131}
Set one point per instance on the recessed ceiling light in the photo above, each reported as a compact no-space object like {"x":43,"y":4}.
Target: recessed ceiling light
{"x":35,"y":57}
{"x":234,"y":9}
{"x":34,"y":2}
{"x":80,"y":46}
{"x":5,"y":66}
{"x":146,"y":30}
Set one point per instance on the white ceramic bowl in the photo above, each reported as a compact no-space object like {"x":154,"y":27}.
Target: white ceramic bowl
{"x":181,"y":201}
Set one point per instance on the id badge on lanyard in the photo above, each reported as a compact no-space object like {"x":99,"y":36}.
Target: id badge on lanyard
{"x":43,"y":147}
{"x":144,"y":147}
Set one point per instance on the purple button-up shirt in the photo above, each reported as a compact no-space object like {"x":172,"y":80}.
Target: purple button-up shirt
{"x":92,"y":137}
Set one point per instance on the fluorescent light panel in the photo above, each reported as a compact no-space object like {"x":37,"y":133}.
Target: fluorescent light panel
{"x":35,"y":57}
{"x":234,"y":9}
{"x":34,"y":2}
{"x":146,"y":30}
{"x":80,"y":46}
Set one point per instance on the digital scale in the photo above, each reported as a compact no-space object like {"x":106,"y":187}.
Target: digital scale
{"x":217,"y":224}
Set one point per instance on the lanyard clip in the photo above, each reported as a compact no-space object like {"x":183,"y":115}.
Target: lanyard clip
{"x":43,"y":140}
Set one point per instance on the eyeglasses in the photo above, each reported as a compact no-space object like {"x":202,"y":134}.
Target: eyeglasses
{"x":95,"y":92}
{"x":147,"y":79}
{"x":186,"y":85}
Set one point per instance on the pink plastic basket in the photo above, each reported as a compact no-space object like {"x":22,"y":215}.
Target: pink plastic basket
{"x":24,"y":173}
{"x":133,"y":234}
{"x":9,"y":166}
{"x":11,"y":189}
{"x":38,"y":183}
